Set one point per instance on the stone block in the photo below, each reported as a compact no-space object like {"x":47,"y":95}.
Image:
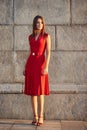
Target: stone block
{"x":72,"y":125}
{"x":71,"y":37}
{"x":21,"y":34}
{"x":68,"y":67}
{"x":51,"y":30}
{"x":6,"y":67}
{"x":6,"y":38}
{"x":11,"y":88}
{"x":50,"y":125}
{"x":54,"y":88}
{"x":57,"y":12}
{"x":23,"y":126}
{"x":66,"y":107}
{"x":7,"y":121}
{"x":85,"y":124}
{"x":79,"y":11}
{"x":6,"y":126}
{"x":15,"y":106}
{"x":6,"y":11}
{"x":68,"y":88}
{"x":19,"y":59}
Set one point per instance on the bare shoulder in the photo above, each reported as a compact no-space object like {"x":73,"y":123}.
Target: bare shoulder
{"x":47,"y":35}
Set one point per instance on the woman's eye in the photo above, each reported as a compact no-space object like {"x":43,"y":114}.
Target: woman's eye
{"x":39,"y":22}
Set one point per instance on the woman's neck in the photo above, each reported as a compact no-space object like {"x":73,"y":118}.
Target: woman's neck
{"x":36,"y":33}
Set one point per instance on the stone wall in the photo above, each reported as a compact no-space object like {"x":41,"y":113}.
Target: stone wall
{"x":66,"y":22}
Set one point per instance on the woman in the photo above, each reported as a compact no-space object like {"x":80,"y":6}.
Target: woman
{"x":36,"y":68}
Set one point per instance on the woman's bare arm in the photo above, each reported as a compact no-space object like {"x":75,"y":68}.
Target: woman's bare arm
{"x":48,"y":48}
{"x":48,"y":51}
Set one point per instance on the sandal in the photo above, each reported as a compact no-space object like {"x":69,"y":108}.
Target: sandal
{"x":35,"y":120}
{"x":40,"y":123}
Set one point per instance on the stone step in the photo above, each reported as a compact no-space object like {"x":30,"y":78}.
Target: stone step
{"x":54,"y":88}
{"x":65,"y":102}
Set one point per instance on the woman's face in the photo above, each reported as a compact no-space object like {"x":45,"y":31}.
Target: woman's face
{"x":39,"y":24}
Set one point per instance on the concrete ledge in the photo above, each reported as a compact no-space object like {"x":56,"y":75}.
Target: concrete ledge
{"x":68,"y":88}
{"x":57,"y":106}
{"x":11,"y":88}
{"x":54,"y":89}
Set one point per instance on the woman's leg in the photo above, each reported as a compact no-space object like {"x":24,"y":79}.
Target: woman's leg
{"x":41,"y":103}
{"x":34,"y":106}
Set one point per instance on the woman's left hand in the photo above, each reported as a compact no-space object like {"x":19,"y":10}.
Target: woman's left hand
{"x":45,"y":70}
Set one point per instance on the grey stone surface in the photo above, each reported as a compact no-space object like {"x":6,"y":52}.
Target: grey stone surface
{"x":85,"y":124}
{"x":11,"y":88}
{"x":66,"y":23}
{"x":51,"y":30}
{"x":68,"y":88}
{"x":19,"y":59}
{"x":63,"y":67}
{"x":21,"y":34}
{"x":50,"y":125}
{"x":7,"y":120}
{"x":5,"y":127}
{"x":24,"y":127}
{"x":16,"y":106}
{"x":6,"y":38}
{"x":54,"y":88}
{"x":66,"y":106}
{"x":57,"y":12}
{"x":68,"y":67}
{"x":18,"y":124}
{"x":6,"y":11}
{"x":72,"y":37}
{"x":79,"y":11}
{"x":6,"y":67}
{"x":57,"y":106}
{"x":72,"y":125}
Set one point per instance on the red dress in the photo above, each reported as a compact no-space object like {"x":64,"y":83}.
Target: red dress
{"x":36,"y":83}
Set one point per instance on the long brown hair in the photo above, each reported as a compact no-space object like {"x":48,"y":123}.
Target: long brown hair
{"x":34,"y":25}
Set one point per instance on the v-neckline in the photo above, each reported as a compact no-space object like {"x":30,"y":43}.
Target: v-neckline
{"x":37,"y":38}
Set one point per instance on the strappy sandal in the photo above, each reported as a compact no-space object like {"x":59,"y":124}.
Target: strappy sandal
{"x":40,"y":123}
{"x":35,"y":120}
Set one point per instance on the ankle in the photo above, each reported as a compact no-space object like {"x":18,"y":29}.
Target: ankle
{"x":40,"y":120}
{"x":41,"y":115}
{"x":35,"y":115}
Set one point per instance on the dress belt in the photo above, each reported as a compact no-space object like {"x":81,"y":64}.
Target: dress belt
{"x":36,"y":54}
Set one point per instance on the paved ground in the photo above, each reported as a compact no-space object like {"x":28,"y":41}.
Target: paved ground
{"x":7,"y":124}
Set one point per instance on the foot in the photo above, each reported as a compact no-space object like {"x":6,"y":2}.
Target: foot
{"x":35,"y":120}
{"x":40,"y":122}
